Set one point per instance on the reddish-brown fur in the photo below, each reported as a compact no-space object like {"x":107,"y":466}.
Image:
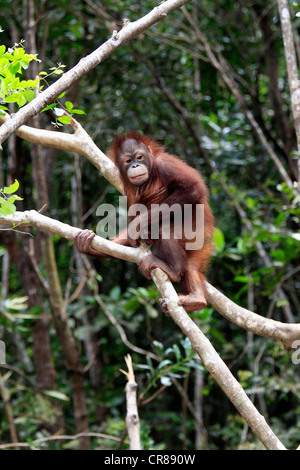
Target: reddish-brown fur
{"x":170,"y":181}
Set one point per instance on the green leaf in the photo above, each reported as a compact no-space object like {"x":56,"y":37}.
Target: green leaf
{"x":194,"y":365}
{"x":251,"y":203}
{"x":115,"y":293}
{"x":3,"y":213}
{"x":57,"y":395}
{"x":165,"y":362}
{"x":17,"y":303}
{"x":19,"y":52}
{"x":14,"y":198}
{"x":214,"y":126}
{"x":69,"y":106}
{"x":14,"y":68}
{"x":25,"y":316}
{"x":2,"y":50}
{"x":242,"y":279}
{"x":7,"y":206}
{"x":35,"y":82}
{"x":50,"y":106}
{"x":279,"y":255}
{"x":64,"y":119}
{"x":219,"y":239}
{"x":24,"y":64}
{"x":296,"y":236}
{"x":12,"y":188}
{"x":280,"y":218}
{"x":151,"y":311}
{"x":11,"y":98}
{"x":177,"y":352}
{"x":77,"y":111}
{"x":159,"y":346}
{"x":36,"y":310}
{"x":21,"y":99}
{"x":29,"y":95}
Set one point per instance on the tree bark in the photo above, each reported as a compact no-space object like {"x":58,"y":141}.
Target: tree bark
{"x":287,"y":333}
{"x":292,"y":69}
{"x":54,"y":291}
{"x":132,"y":416}
{"x":86,"y":64}
{"x":270,"y":55}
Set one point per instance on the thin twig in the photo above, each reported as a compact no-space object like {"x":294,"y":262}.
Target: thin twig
{"x":122,"y":333}
{"x":132,"y":416}
{"x":155,"y":395}
{"x":10,"y":416}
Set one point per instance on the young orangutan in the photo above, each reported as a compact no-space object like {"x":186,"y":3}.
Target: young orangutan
{"x":153,"y":177}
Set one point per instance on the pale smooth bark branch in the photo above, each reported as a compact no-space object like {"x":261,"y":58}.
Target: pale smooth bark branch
{"x":35,"y":219}
{"x":211,"y":360}
{"x":215,"y":365}
{"x":132,"y":416}
{"x":287,"y":333}
{"x":292,"y":69}
{"x":86,"y":64}
{"x":79,"y":142}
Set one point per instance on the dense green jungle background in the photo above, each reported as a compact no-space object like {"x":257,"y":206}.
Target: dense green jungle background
{"x":166,"y":84}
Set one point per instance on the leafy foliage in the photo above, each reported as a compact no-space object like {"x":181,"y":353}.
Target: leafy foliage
{"x":13,"y":89}
{"x":7,"y":199}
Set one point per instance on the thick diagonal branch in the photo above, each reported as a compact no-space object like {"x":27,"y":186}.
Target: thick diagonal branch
{"x":86,"y":64}
{"x":287,"y":333}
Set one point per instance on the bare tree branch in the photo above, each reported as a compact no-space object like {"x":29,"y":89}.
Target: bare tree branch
{"x":214,"y":364}
{"x":132,"y":417}
{"x":122,"y":333}
{"x":287,"y":333}
{"x":79,"y":143}
{"x":86,"y":64}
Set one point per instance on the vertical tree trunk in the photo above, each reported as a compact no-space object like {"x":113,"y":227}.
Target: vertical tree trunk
{"x":292,"y":69}
{"x":55,"y":295}
{"x":270,"y":55}
{"x":91,"y":340}
{"x":200,"y":431}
